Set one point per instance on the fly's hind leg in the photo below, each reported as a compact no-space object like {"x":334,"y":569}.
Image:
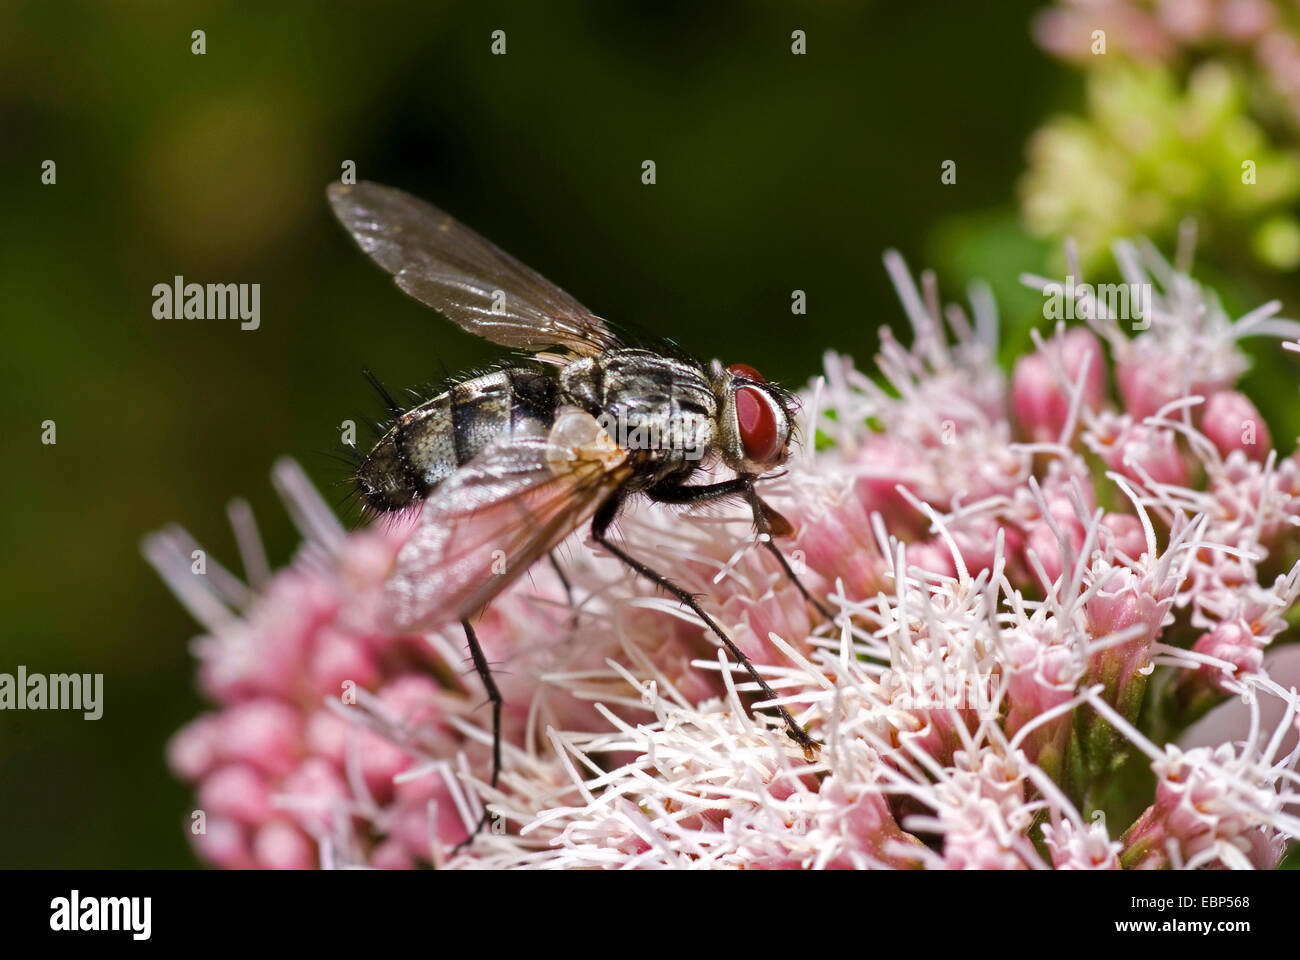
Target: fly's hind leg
{"x":599,"y":532}
{"x":485,"y":674}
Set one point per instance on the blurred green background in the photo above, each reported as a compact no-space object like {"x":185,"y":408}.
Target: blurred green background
{"x":775,"y":172}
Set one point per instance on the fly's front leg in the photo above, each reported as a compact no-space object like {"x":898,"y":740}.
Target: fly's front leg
{"x":766,"y":520}
{"x":769,"y":522}
{"x":599,"y":532}
{"x":668,"y":492}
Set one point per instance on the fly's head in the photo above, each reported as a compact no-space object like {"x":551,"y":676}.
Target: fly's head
{"x":755,"y":419}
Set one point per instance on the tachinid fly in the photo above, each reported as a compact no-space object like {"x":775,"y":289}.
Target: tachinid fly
{"x":508,"y":463}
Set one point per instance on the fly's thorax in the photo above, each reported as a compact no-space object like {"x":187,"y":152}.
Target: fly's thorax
{"x":429,"y":442}
{"x":660,"y":409}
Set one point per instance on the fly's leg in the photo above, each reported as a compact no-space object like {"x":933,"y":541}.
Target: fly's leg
{"x":564,"y":581}
{"x":766,"y":520}
{"x":702,"y":493}
{"x":599,"y":532}
{"x":568,"y":589}
{"x":481,"y":665}
{"x":769,"y":522}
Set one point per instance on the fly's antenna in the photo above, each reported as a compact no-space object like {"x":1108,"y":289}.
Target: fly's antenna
{"x":382,"y":390}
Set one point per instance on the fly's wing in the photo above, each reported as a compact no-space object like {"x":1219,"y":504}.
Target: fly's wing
{"x":446,"y":265}
{"x":496,"y":515}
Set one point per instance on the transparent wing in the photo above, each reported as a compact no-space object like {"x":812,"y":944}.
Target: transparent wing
{"x":493,"y":518}
{"x":446,"y":265}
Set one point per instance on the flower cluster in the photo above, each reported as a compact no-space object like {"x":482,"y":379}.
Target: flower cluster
{"x":338,"y":742}
{"x":1260,"y":33}
{"x":1148,"y":148}
{"x":1038,"y":586}
{"x":1190,"y":105}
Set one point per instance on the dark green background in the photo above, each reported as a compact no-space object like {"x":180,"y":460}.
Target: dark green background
{"x":775,"y":172}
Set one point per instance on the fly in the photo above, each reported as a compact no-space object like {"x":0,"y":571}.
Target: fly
{"x":510,"y":462}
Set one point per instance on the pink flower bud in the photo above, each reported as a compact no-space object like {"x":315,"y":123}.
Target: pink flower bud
{"x":338,"y":658}
{"x":327,"y":736}
{"x":888,"y":463}
{"x":1142,"y":389}
{"x":781,"y":610}
{"x":1191,"y":21}
{"x":1198,"y":808}
{"x":411,"y":817}
{"x":1232,"y":422}
{"x":415,"y":700}
{"x":977,"y":539}
{"x":1127,"y":601}
{"x":1150,"y":378}
{"x":192,"y":751}
{"x":932,"y":556}
{"x":315,"y":794}
{"x":410,"y":704}
{"x":223,"y":844}
{"x":381,"y":760}
{"x":1234,"y":642}
{"x":1041,"y":676}
{"x":1040,"y":404}
{"x":978,"y":849}
{"x":1122,"y":603}
{"x":837,"y":542}
{"x":1122,"y":533}
{"x":1125,"y":446}
{"x":663,"y":642}
{"x":279,"y":845}
{"x":1246,"y":20}
{"x":265,"y":733}
{"x":1045,"y":543}
{"x":391,"y":855}
{"x":238,"y":792}
{"x":1081,"y":848}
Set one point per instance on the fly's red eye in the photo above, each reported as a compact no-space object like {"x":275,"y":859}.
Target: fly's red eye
{"x":757,"y":423}
{"x":746,"y":371}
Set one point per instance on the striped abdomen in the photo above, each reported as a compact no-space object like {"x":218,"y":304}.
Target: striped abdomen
{"x":429,"y":442}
